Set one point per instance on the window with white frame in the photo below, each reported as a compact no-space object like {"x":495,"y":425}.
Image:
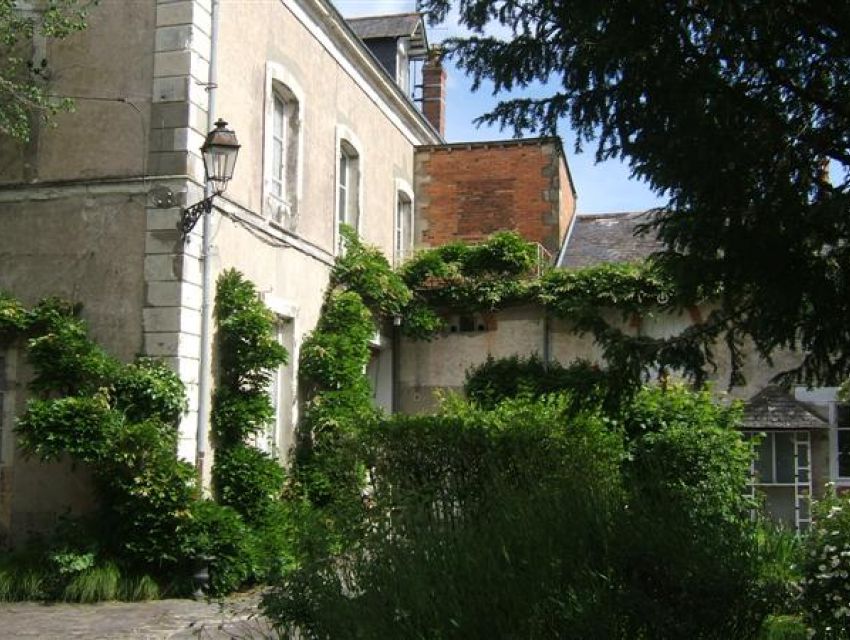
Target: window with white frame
{"x":403,"y":227}
{"x":282,"y":156}
{"x":775,"y":460}
{"x":282,"y":392}
{"x":348,"y":186}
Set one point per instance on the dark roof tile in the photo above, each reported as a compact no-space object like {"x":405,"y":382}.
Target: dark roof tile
{"x":394,"y":26}
{"x":599,"y":238}
{"x":772,"y":409}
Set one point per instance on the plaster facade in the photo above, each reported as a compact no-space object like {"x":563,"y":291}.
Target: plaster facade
{"x":90,"y":208}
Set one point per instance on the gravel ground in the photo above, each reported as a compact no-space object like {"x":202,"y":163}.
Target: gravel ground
{"x":157,"y":620}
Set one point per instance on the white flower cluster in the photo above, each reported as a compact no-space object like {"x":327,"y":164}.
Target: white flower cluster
{"x":826,"y":585}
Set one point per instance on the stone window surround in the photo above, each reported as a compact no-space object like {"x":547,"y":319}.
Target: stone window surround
{"x":402,"y":186}
{"x":279,"y":82}
{"x":344,"y":136}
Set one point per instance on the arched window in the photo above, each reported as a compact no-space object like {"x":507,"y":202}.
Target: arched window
{"x":283,"y":146}
{"x":284,"y":153}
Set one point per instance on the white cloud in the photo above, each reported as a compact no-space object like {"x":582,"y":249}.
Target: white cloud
{"x":354,"y":8}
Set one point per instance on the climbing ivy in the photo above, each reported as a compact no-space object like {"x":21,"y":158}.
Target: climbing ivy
{"x":244,"y":478}
{"x":121,"y":421}
{"x":596,"y":300}
{"x":330,"y":466}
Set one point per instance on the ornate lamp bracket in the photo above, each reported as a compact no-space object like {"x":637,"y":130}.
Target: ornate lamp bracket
{"x":189,"y":216}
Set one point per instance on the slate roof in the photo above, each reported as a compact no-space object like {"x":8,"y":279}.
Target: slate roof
{"x":402,"y":25}
{"x":771,"y":409}
{"x":610,"y":237}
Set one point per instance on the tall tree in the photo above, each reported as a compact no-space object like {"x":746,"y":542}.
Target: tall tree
{"x":23,"y":68}
{"x":732,"y":109}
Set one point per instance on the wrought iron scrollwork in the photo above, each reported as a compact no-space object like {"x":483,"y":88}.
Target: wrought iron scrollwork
{"x":190,"y":216}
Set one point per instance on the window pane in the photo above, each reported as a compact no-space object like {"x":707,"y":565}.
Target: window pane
{"x":398,"y":229}
{"x":764,"y":460}
{"x":844,"y":453}
{"x":785,"y":470}
{"x":342,"y":205}
{"x":343,"y":169}
{"x":278,"y":118}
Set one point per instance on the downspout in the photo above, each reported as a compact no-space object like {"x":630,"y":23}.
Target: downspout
{"x":205,"y":364}
{"x":396,"y":365}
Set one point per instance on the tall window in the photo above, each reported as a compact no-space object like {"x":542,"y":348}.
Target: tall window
{"x":282,"y":155}
{"x":280,"y":435}
{"x":403,"y":227}
{"x":348,"y":186}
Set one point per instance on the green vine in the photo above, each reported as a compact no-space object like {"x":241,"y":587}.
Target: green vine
{"x":503,"y":271}
{"x":330,"y":467}
{"x":247,"y":481}
{"x":121,"y":421}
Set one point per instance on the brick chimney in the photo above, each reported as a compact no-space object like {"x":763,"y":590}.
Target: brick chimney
{"x":434,"y":90}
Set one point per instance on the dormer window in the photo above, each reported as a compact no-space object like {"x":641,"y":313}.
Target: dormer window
{"x":402,"y":67}
{"x":396,"y":41}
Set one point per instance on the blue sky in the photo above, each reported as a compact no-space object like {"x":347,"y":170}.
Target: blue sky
{"x":602,"y":188}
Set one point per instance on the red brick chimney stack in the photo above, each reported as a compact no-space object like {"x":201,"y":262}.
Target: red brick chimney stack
{"x":434,"y":90}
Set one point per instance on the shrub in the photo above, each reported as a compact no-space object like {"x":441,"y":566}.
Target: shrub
{"x":228,"y":543}
{"x":690,"y":553}
{"x":480,"y":526}
{"x":149,"y":389}
{"x":365,"y":271}
{"x":783,"y":628}
{"x":495,"y":380}
{"x":826,"y":570}
{"x":82,"y":427}
{"x":533,"y":520}
{"x":248,"y":480}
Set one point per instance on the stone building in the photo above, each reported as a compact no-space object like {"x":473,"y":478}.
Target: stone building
{"x":339,"y":122}
{"x":330,"y":133}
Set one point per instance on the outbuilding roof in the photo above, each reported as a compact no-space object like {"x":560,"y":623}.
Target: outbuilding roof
{"x":771,"y":409}
{"x":401,"y":25}
{"x":608,"y":237}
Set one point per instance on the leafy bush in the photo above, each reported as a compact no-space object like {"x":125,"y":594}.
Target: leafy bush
{"x":690,"y":562}
{"x":239,"y":413}
{"x":121,"y":420}
{"x":826,"y":570}
{"x":328,"y":465}
{"x":364,"y":270}
{"x":783,"y":628}
{"x":82,"y":427}
{"x":459,"y":540}
{"x":495,"y":380}
{"x":227,"y":543}
{"x":248,"y":480}
{"x":655,"y":409}
{"x":149,"y":389}
{"x":534,"y":520}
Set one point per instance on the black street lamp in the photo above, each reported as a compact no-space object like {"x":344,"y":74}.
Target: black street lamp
{"x":219,"y":151}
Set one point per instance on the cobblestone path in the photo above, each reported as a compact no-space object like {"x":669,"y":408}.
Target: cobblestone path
{"x":156,"y":620}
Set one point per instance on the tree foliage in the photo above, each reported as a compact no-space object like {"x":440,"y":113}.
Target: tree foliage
{"x":732,"y":111}
{"x":23,"y":79}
